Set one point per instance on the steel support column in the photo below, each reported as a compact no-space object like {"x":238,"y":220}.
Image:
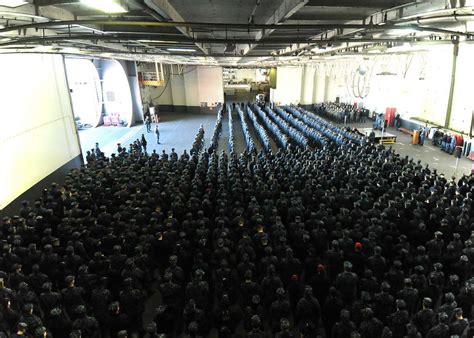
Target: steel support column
{"x":453,"y":83}
{"x":472,"y":124}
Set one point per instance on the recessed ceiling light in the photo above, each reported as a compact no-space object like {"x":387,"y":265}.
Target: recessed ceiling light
{"x":12,"y":3}
{"x":106,"y":6}
{"x":180,"y":49}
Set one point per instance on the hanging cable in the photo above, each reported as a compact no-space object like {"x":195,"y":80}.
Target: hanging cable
{"x":168,"y":81}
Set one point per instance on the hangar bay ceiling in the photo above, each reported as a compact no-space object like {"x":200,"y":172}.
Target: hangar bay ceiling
{"x":228,"y":32}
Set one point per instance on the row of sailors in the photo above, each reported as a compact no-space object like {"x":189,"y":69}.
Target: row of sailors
{"x":296,"y":129}
{"x":353,"y":136}
{"x":298,"y":124}
{"x":231,"y":130}
{"x":294,"y":133}
{"x":334,"y":111}
{"x":302,"y":126}
{"x":198,"y":141}
{"x":341,"y":112}
{"x":339,"y":135}
{"x":273,"y":127}
{"x":260,"y":130}
{"x":247,"y":137}
{"x":320,"y":125}
{"x":217,"y":130}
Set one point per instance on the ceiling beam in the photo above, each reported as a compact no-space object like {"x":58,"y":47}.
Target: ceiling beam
{"x":218,"y":55}
{"x":54,"y":2}
{"x":380,"y":4}
{"x":222,"y":26}
{"x":395,"y":16}
{"x":125,"y":38}
{"x":37,"y":13}
{"x":344,"y":14}
{"x":168,"y":10}
{"x":283,"y":12}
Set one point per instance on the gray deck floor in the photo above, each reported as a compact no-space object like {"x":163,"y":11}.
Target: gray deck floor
{"x":239,"y":141}
{"x":178,"y":131}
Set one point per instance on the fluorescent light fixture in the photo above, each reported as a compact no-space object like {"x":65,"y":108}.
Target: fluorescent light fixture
{"x":180,"y":50}
{"x":89,"y":28}
{"x":106,"y":6}
{"x":12,"y":3}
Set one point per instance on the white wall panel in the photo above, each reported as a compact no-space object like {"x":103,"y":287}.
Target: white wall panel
{"x":288,"y":85}
{"x":320,"y":84}
{"x":308,"y":85}
{"x":37,"y":129}
{"x":463,"y":101}
{"x":178,"y":90}
{"x":211,"y":85}
{"x":192,"y":86}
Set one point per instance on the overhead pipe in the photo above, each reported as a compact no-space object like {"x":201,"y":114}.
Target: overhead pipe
{"x":449,"y":108}
{"x":443,"y":18}
{"x":251,"y":17}
{"x":223,"y":26}
{"x":447,"y":18}
{"x":442,"y":13}
{"x":183,"y":39}
{"x":162,"y":53}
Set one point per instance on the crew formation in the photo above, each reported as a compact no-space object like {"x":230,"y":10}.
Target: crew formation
{"x":345,"y":240}
{"x":273,"y":127}
{"x":259,"y":129}
{"x":293,"y":133}
{"x":342,"y":112}
{"x":339,"y":135}
{"x":231,"y":129}
{"x":217,"y":130}
{"x":250,"y":145}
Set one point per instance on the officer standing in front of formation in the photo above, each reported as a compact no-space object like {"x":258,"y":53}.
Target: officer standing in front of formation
{"x":372,"y":136}
{"x":148,"y":123}
{"x":157,"y":134}
{"x":143,"y":143}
